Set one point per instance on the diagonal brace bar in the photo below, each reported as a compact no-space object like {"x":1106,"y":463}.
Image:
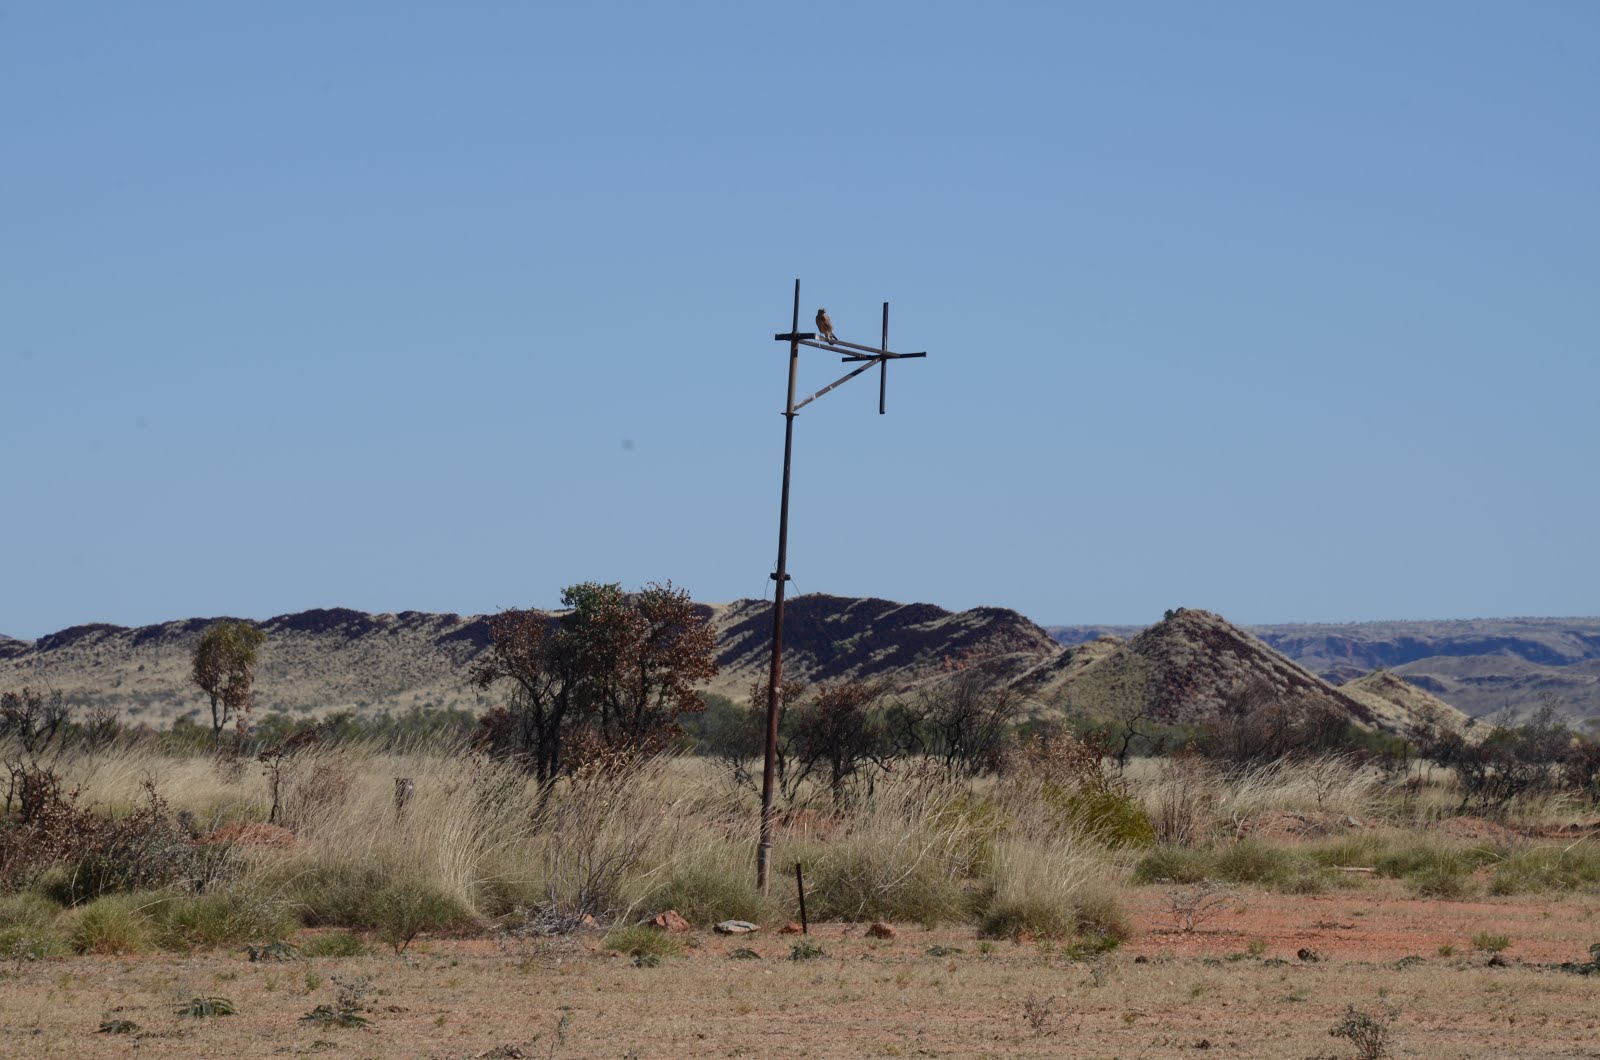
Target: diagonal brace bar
{"x":870,"y":361}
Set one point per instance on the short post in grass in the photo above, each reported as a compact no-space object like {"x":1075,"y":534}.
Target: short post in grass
{"x":404,"y":788}
{"x":800,"y":885}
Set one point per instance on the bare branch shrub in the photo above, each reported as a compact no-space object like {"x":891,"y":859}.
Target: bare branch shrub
{"x":1369,"y":1033}
{"x":1193,"y":905}
{"x":1512,"y":762}
{"x":1039,"y":1014}
{"x":34,"y":725}
{"x":963,"y":720}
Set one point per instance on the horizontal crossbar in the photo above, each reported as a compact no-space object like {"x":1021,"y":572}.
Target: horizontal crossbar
{"x":845,"y":358}
{"x":867,"y":354}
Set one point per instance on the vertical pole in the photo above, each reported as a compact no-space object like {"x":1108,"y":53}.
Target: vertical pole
{"x":775,"y":677}
{"x":883,"y":365}
{"x":800,"y":885}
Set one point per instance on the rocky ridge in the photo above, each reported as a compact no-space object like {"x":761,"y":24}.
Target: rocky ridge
{"x":339,"y":659}
{"x":1482,"y":666}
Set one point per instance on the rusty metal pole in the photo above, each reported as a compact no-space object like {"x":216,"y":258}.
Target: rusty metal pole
{"x":769,"y":768}
{"x":864,"y":357}
{"x":883,"y":366}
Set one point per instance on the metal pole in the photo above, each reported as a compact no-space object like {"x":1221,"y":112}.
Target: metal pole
{"x":775,"y":677}
{"x":883,"y":366}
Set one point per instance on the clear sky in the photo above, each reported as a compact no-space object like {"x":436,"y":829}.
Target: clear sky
{"x":1285,"y":310}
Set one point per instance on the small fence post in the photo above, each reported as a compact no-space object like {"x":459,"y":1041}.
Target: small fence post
{"x":800,"y":882}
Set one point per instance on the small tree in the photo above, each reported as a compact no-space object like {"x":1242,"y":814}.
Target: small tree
{"x":741,"y":755}
{"x":1582,"y":768}
{"x":1256,"y":723}
{"x":276,"y":762}
{"x":34,"y":727}
{"x":1511,"y":762}
{"x":225,"y":670}
{"x":965,"y":720}
{"x":609,"y":677}
{"x":32,"y":719}
{"x":525,"y":650}
{"x":834,"y":732}
{"x":640,"y":656}
{"x":839,"y":733}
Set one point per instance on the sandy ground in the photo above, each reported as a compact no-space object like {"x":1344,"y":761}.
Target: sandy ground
{"x":1237,"y":987}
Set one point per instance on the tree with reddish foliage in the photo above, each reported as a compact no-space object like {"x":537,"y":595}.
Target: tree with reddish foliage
{"x":641,"y":655}
{"x":834,"y":733}
{"x":610,"y":677}
{"x":526,"y":650}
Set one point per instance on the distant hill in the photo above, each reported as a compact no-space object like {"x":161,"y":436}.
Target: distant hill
{"x":1183,"y":668}
{"x":1480,"y":666}
{"x":338,"y":659}
{"x":1397,"y":700}
{"x":827,"y":638}
{"x":313,"y":661}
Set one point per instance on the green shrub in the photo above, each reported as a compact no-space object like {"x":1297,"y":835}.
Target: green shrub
{"x":116,"y":924}
{"x":1112,"y":817}
{"x":706,"y":894}
{"x":1050,"y":891}
{"x":334,"y":944}
{"x":1547,"y":869}
{"x":402,"y":911}
{"x":28,"y":928}
{"x":228,"y":917}
{"x":1305,"y":880}
{"x":338,"y":895}
{"x":1101,"y":917}
{"x":1252,"y":861}
{"x":1489,"y":942}
{"x":1360,"y":849}
{"x":865,"y":881}
{"x":1092,"y":917}
{"x":1175,"y":865}
{"x":1447,"y":881}
{"x":205,"y":1007}
{"x":1029,"y":916}
{"x":27,"y":910}
{"x":1435,"y":870}
{"x":640,"y":940}
{"x":979,"y":822}
{"x":1369,"y":1033}
{"x":1409,"y":860}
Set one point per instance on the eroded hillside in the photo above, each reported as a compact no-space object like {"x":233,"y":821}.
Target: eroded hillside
{"x":338,"y":659}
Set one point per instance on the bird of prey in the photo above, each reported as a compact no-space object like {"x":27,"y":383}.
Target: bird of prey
{"x":825,"y":327}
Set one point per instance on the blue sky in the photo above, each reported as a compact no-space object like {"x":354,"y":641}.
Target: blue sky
{"x":1288,"y":311}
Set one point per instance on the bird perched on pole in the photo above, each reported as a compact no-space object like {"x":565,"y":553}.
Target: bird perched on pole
{"x":825,"y":327}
